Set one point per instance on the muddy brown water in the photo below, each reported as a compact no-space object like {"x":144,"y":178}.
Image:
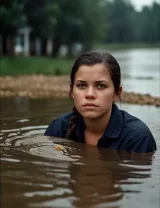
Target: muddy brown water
{"x":34,"y":175}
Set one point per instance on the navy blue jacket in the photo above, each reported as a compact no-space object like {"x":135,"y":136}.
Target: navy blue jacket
{"x":124,"y":132}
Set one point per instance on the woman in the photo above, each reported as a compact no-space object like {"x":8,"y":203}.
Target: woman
{"x":95,"y":87}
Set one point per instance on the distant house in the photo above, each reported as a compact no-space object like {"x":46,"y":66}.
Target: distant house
{"x":22,"y":43}
{"x":25,"y":45}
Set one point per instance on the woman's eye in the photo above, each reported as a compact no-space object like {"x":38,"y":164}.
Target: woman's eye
{"x":81,"y":86}
{"x":101,"y":86}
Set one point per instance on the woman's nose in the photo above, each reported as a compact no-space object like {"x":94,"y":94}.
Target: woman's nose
{"x":90,"y":93}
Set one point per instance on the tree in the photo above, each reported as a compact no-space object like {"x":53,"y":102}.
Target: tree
{"x":66,"y":21}
{"x":42,"y":17}
{"x":155,"y":25}
{"x":147,"y":24}
{"x":81,"y":21}
{"x":69,"y":24}
{"x":120,"y":21}
{"x":95,"y":22}
{"x":12,"y":18}
{"x":150,"y":24}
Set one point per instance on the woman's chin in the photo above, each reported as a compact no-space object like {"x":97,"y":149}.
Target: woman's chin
{"x":90,"y":115}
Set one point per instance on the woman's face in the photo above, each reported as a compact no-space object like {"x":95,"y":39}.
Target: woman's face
{"x":93,"y":91}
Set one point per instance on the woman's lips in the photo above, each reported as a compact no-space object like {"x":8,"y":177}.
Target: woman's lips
{"x":90,"y":105}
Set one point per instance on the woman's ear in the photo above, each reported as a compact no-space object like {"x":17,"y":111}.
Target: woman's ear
{"x":120,"y":90}
{"x":118,"y":95}
{"x":71,"y":91}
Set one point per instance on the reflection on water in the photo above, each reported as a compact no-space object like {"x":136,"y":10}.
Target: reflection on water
{"x":140,"y":70}
{"x":33,"y":174}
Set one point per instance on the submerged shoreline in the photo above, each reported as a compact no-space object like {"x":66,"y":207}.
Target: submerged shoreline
{"x":42,"y":86}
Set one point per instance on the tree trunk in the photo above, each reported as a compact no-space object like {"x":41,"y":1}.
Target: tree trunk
{"x":11,"y":46}
{"x":69,"y":45}
{"x":4,"y":45}
{"x":56,"y":46}
{"x":44,"y":46}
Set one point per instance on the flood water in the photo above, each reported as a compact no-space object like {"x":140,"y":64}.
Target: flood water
{"x":34,"y":175}
{"x":140,"y":70}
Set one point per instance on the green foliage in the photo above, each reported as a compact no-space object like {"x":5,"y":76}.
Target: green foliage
{"x":148,"y":24}
{"x":95,"y":21}
{"x":125,"y":25}
{"x":12,"y":16}
{"x":69,"y":21}
{"x":85,"y":21}
{"x":120,"y":14}
{"x":34,"y":65}
{"x":42,"y":16}
{"x":80,"y":21}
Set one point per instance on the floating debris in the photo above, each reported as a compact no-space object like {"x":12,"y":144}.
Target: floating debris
{"x":59,"y":147}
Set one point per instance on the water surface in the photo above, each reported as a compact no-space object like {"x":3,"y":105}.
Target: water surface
{"x":34,"y":175}
{"x":140,"y":70}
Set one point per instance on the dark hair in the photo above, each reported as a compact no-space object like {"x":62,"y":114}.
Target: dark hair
{"x":92,"y":58}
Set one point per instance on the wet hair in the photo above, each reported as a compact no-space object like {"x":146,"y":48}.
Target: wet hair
{"x":92,"y":58}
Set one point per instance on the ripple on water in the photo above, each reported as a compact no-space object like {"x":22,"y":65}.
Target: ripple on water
{"x":32,"y":141}
{"x":35,"y":175}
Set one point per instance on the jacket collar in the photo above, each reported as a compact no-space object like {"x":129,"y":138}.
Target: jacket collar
{"x":115,"y":123}
{"x":113,"y":129}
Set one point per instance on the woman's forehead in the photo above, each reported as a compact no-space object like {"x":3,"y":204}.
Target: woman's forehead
{"x":96,"y":72}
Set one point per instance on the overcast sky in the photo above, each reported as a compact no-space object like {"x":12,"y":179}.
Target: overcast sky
{"x":140,"y":3}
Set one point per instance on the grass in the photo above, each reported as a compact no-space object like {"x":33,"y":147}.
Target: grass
{"x":55,"y":66}
{"x":34,"y":65}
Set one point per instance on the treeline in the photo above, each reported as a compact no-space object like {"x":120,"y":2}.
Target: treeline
{"x":125,"y":25}
{"x":85,"y":21}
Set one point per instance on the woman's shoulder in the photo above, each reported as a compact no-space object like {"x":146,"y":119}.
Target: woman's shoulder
{"x":64,"y":117}
{"x":137,"y":135}
{"x":133,"y":123}
{"x":59,"y":126}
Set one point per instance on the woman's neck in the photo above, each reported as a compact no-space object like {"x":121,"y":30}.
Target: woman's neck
{"x":97,"y":126}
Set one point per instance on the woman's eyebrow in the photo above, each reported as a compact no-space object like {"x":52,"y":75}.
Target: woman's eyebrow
{"x":78,"y":80}
{"x":97,"y":82}
{"x":100,"y":81}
